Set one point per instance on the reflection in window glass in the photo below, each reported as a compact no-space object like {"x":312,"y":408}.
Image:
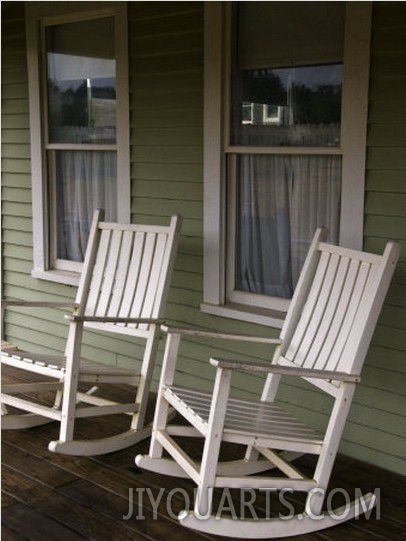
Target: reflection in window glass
{"x":297,"y":106}
{"x":81,"y":82}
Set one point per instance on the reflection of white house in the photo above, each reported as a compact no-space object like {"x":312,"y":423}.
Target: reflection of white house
{"x":261,"y":113}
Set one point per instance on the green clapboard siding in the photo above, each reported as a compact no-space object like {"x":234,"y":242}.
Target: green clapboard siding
{"x":377,"y":432}
{"x":166,"y":111}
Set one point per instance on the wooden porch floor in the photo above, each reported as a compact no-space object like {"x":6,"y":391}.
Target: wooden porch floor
{"x":51,"y":497}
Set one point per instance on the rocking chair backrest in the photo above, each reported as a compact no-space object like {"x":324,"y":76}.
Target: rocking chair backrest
{"x":126,"y":273}
{"x":335,"y":308}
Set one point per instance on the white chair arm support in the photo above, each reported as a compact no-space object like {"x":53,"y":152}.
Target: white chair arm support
{"x":284,"y":370}
{"x":220,"y":335}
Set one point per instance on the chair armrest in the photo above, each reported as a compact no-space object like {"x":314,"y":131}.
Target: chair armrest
{"x":284,"y":370}
{"x":107,"y":319}
{"x":220,"y":335}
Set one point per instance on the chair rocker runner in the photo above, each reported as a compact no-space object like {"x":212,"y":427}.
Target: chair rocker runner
{"x":123,"y":289}
{"x":324,"y":340}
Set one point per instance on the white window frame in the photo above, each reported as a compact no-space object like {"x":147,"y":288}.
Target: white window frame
{"x":352,"y":148}
{"x":38,"y":15}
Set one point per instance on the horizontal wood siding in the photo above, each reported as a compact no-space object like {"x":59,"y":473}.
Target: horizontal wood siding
{"x":17,"y":253}
{"x":377,"y":431}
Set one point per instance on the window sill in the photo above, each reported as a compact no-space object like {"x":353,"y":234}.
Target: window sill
{"x":261,"y":316}
{"x":59,"y":276}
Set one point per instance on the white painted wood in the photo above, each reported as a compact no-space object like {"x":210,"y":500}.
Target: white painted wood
{"x":291,"y":370}
{"x":126,"y":272}
{"x":10,"y":421}
{"x":355,"y":117}
{"x":220,"y":335}
{"x":324,"y":340}
{"x":272,"y":528}
{"x":213,"y":275}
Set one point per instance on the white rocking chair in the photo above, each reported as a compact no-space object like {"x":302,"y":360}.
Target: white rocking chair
{"x":123,"y":289}
{"x":324,"y":340}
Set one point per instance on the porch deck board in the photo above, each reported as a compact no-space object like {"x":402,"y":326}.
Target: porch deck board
{"x":55,"y":497}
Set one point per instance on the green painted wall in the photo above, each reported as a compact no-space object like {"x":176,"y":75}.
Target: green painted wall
{"x":378,"y":412}
{"x":166,"y":98}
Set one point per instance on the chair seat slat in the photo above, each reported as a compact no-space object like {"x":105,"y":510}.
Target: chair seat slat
{"x":249,"y":417}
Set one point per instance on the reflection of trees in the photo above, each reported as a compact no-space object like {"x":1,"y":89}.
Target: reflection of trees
{"x":316,"y":106}
{"x":263,"y":86}
{"x":308,"y":105}
{"x":69,"y":107}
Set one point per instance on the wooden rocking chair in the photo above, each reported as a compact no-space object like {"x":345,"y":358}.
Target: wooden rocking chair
{"x":123,"y":289}
{"x":324,"y":340}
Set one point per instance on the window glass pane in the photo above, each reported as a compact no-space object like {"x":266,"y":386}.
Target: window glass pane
{"x":297,"y":106}
{"x":83,"y":181}
{"x":81,"y":82}
{"x":281,"y":200}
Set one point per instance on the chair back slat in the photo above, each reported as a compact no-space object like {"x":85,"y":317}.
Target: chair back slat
{"x":335,"y":323}
{"x":144,"y":274}
{"x":134,"y":267}
{"x":98,"y":274}
{"x":295,"y":352}
{"x":338,"y":308}
{"x":150,"y":307}
{"x":130,"y":276}
{"x":123,"y":264}
{"x":357,"y":287}
{"x":326,"y":309}
{"x":110,"y":273}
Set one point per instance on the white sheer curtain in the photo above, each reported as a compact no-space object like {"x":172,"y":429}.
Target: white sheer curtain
{"x":85,"y":180}
{"x":281,"y":200}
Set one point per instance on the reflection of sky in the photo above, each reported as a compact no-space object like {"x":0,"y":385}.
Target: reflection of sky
{"x":74,"y":69}
{"x":310,"y":76}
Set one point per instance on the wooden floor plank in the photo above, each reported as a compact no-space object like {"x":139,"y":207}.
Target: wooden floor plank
{"x":53,"y":497}
{"x":27,"y":523}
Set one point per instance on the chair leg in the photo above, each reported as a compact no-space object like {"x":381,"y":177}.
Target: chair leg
{"x":73,"y":349}
{"x":209,"y":465}
{"x":144,"y":386}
